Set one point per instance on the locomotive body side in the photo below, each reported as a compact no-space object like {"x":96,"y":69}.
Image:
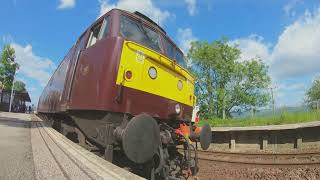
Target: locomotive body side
{"x":92,"y":78}
{"x":53,"y":97}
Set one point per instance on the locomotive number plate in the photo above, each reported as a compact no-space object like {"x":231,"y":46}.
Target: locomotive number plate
{"x":140,"y":57}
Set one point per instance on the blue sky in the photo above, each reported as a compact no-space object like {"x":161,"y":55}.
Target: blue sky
{"x":284,"y":34}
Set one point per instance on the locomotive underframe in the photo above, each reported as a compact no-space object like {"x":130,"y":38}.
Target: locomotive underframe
{"x":101,"y":131}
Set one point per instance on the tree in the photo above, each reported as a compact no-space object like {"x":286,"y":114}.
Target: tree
{"x":313,"y":94}
{"x":19,"y":86}
{"x":8,"y":66}
{"x":224,"y":84}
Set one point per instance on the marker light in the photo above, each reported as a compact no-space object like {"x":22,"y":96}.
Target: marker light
{"x":128,"y":74}
{"x":178,"y":108}
{"x":152,"y":72}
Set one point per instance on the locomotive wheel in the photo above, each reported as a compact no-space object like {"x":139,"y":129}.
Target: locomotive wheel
{"x":141,"y":138}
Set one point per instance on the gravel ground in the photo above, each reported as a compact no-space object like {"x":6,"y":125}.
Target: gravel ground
{"x":225,"y":171}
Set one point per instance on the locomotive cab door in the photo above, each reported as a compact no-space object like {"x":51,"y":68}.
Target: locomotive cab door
{"x":73,"y":65}
{"x":88,"y":73}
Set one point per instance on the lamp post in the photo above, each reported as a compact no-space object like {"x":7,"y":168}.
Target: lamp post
{"x":1,"y":90}
{"x":12,"y":87}
{"x":272,"y":98}
{"x":317,"y":104}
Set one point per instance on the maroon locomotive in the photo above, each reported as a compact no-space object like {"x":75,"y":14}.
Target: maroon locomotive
{"x":123,"y":88}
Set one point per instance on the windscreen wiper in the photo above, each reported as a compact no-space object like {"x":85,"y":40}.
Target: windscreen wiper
{"x":144,"y":31}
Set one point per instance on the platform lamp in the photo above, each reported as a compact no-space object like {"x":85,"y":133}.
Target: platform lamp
{"x":272,"y":97}
{"x":14,"y":79}
{"x":1,"y":89}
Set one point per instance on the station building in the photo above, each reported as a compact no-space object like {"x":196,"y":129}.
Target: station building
{"x":19,"y":101}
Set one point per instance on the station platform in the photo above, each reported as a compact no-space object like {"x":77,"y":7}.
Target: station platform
{"x":268,"y":128}
{"x":30,"y":150}
{"x":302,"y":137}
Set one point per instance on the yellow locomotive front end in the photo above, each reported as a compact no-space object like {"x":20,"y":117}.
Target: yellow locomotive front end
{"x":151,"y":64}
{"x":144,"y":69}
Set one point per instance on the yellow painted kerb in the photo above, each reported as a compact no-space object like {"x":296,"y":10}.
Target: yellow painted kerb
{"x":138,"y":59}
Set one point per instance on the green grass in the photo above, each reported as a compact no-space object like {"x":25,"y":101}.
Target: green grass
{"x":284,"y":118}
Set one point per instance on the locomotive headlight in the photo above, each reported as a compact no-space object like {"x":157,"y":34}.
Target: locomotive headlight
{"x":178,"y":108}
{"x":152,"y":72}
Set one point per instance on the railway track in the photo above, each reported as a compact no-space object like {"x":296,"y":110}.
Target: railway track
{"x":287,"y":159}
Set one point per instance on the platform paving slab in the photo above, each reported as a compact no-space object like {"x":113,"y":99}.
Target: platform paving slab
{"x":16,"y":158}
{"x":40,"y":152}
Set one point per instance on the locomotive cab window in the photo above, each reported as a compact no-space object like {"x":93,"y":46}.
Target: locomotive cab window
{"x":138,"y":32}
{"x":180,"y":58}
{"x":98,"y":32}
{"x":169,"y":48}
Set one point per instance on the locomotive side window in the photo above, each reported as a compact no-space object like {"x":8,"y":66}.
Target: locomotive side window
{"x":180,"y":59}
{"x":98,"y":32}
{"x":139,"y":33}
{"x":94,"y":35}
{"x":105,"y":28}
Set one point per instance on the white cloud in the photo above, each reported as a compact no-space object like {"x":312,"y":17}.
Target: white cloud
{"x":292,"y":86}
{"x":192,"y":6}
{"x":7,"y":39}
{"x":293,"y":60}
{"x":289,"y":7}
{"x":32,"y":89}
{"x":65,"y":4}
{"x":290,"y":93}
{"x":253,"y":47}
{"x":185,"y":37}
{"x":316,"y":76}
{"x":33,"y":66}
{"x":297,"y":52}
{"x":146,"y":7}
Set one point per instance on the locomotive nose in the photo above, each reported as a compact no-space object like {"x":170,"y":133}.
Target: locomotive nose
{"x":141,"y":138}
